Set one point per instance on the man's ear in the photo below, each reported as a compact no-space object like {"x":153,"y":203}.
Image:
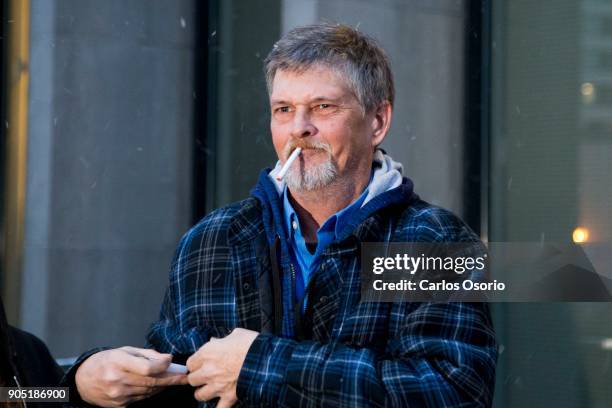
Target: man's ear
{"x":381,"y":121}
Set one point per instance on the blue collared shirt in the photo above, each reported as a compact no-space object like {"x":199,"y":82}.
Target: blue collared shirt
{"x":305,"y":262}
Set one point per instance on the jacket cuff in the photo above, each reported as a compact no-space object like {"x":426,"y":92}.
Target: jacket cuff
{"x":264,"y":369}
{"x":69,"y":379}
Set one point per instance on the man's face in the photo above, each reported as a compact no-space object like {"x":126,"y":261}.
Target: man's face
{"x":317,"y":111}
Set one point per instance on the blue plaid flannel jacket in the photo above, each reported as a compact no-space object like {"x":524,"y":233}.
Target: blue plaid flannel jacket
{"x":351,"y":354}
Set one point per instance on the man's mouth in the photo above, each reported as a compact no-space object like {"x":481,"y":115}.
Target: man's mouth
{"x":309,"y":151}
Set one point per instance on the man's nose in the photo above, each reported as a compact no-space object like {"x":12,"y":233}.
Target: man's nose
{"x":302,"y":125}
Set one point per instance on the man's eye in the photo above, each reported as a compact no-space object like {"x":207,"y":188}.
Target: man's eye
{"x":283,"y":109}
{"x":324,"y":106}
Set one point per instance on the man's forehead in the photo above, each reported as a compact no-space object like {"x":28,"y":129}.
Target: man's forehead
{"x":315,"y":82}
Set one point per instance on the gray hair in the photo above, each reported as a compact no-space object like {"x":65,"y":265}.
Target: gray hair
{"x":355,"y":56}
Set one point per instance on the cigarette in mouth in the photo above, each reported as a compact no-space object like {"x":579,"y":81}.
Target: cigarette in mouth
{"x":294,"y":155}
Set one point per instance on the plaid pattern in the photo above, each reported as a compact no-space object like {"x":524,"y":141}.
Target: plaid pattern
{"x":357,"y":354}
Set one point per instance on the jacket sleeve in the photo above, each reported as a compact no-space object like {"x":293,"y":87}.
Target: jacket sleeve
{"x":176,"y":331}
{"x":445,"y":355}
{"x":198,"y":279}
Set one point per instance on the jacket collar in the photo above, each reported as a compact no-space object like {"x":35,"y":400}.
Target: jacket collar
{"x":266,"y":193}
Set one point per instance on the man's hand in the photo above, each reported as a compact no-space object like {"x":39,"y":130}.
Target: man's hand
{"x":215,"y":367}
{"x":114,"y":378}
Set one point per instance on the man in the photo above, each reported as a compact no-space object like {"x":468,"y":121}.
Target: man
{"x":263,"y":301}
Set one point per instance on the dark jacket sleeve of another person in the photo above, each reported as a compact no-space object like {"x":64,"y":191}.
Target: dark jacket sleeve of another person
{"x":36,"y":366}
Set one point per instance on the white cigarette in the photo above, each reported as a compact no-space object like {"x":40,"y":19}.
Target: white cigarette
{"x":177,"y":369}
{"x":172,"y":368}
{"x":294,"y":155}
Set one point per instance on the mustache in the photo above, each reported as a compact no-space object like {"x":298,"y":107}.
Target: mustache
{"x":305,"y":144}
